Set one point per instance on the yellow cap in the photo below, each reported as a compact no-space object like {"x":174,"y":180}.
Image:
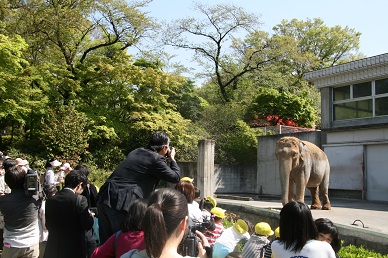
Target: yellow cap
{"x":240,"y":226}
{"x":188,"y":179}
{"x":277,"y":232}
{"x":218,"y":212}
{"x":212,"y":200}
{"x":263,"y":229}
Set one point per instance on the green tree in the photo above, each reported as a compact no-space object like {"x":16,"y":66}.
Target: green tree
{"x":65,"y":134}
{"x":314,"y":45}
{"x":274,"y":107}
{"x":17,"y":98}
{"x":223,"y":124}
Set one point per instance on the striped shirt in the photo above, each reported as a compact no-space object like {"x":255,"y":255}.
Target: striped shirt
{"x":212,"y":235}
{"x":254,"y":247}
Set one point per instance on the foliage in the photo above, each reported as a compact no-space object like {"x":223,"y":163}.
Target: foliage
{"x":64,"y":133}
{"x":240,"y":144}
{"x":235,"y":141}
{"x":187,"y":101}
{"x":271,"y":107}
{"x":313,"y":45}
{"x":18,"y":99}
{"x":351,"y":251}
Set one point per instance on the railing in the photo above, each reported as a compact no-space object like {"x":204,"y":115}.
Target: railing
{"x":284,"y":129}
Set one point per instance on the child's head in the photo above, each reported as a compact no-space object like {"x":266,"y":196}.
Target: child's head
{"x":328,"y":232}
{"x":218,"y":213}
{"x":209,"y":203}
{"x":135,"y":216}
{"x":263,"y":229}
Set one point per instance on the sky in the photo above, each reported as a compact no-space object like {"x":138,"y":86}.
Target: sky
{"x":367,"y":17}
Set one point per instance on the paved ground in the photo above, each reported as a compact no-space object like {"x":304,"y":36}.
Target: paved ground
{"x":374,"y":215}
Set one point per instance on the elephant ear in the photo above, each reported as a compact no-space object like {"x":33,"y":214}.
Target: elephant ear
{"x":301,"y":152}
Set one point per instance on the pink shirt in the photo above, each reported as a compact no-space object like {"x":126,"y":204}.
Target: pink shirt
{"x":125,"y":242}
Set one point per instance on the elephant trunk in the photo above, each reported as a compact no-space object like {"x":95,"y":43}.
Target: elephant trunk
{"x":285,"y":166}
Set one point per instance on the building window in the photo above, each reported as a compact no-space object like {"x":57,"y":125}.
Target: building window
{"x":367,"y":99}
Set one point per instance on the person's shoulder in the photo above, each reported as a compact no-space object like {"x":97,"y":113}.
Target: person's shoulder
{"x":316,"y":244}
{"x":276,"y":243}
{"x":134,"y":254}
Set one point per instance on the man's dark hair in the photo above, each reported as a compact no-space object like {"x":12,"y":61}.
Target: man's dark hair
{"x":14,"y":177}
{"x":157,"y":140}
{"x":74,"y":178}
{"x":9,"y":163}
{"x":83,"y":168}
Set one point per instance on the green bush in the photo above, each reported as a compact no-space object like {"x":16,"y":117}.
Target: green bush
{"x":351,"y":251}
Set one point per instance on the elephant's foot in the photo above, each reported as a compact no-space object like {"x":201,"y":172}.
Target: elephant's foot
{"x":326,"y":206}
{"x":315,"y":206}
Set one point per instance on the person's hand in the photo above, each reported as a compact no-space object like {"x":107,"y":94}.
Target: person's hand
{"x":172,"y":153}
{"x":202,"y":245}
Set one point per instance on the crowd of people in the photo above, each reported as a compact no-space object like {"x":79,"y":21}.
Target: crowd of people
{"x":129,"y":217}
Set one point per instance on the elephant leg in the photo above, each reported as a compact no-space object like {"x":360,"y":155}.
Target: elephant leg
{"x":316,"y":203}
{"x":300,"y":188}
{"x":325,"y":197}
{"x":290,"y":191}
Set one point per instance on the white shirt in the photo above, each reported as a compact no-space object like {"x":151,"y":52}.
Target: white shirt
{"x":230,"y":238}
{"x":195,"y":214}
{"x":312,"y":249}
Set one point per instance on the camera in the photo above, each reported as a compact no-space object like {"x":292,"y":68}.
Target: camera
{"x":168,"y":154}
{"x":31,"y":183}
{"x":189,"y":246}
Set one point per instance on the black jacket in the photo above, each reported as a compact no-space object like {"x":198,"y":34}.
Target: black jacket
{"x":136,"y":177}
{"x":67,"y":218}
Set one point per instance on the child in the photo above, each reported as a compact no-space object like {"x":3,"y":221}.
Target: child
{"x":228,"y":241}
{"x":328,"y":232}
{"x":255,"y":245}
{"x":208,"y":204}
{"x":131,"y":235}
{"x":213,"y":235}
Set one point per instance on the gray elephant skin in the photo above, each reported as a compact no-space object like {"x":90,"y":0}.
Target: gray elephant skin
{"x":304,"y":164}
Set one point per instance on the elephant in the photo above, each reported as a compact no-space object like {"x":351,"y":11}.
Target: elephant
{"x":304,"y":164}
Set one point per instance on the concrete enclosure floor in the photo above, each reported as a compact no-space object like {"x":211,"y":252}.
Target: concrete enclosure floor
{"x":373,"y":215}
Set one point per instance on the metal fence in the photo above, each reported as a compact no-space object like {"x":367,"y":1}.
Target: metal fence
{"x":284,"y":129}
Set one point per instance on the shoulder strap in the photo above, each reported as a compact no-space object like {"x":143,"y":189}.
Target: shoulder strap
{"x":262,"y":251}
{"x":115,"y":244}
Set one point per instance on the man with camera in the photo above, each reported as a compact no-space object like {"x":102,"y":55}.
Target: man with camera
{"x":135,"y":177}
{"x":20,"y":211}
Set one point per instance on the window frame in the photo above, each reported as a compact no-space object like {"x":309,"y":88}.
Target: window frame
{"x":372,"y":97}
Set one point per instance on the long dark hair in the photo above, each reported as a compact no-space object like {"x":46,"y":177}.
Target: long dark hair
{"x":296,"y":226}
{"x":167,"y":208}
{"x":326,"y":226}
